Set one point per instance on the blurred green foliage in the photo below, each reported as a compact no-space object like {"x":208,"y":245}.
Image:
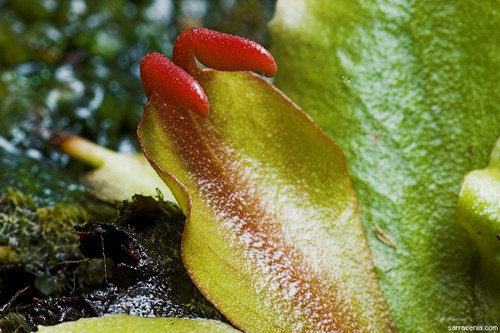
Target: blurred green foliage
{"x":72,"y":65}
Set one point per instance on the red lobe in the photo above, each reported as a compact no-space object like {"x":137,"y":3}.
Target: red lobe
{"x":171,"y":81}
{"x":172,"y":84}
{"x":221,"y":51}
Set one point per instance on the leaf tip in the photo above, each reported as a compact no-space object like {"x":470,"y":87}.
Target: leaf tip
{"x":172,"y":84}
{"x":221,"y":51}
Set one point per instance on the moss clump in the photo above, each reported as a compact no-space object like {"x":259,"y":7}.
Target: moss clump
{"x":14,"y":323}
{"x":37,"y":237}
{"x":38,"y":246}
{"x":131,"y":265}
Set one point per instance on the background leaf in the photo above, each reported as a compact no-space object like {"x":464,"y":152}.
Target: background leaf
{"x":409,"y":90}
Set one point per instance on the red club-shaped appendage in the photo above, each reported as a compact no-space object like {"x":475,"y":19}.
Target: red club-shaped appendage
{"x":172,"y":84}
{"x":222,"y":52}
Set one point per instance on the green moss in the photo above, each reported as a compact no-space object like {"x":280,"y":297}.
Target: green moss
{"x":139,"y":252}
{"x":37,"y":236}
{"x":14,"y":323}
{"x":40,"y":240}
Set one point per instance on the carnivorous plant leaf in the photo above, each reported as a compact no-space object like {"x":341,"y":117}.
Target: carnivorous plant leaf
{"x":409,"y":90}
{"x":273,"y":236}
{"x":135,"y":324}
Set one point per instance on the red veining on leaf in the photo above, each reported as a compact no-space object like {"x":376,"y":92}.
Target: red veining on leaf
{"x":215,"y":188}
{"x":221,"y":51}
{"x":317,"y":303}
{"x":172,"y":84}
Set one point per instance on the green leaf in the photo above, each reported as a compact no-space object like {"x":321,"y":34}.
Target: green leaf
{"x":479,"y":213}
{"x":273,"y":236}
{"x":118,"y":176}
{"x":134,"y":324}
{"x":409,"y":90}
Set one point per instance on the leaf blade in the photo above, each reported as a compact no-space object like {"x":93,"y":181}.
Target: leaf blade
{"x":120,"y":322}
{"x":407,"y":89}
{"x":270,"y":204}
